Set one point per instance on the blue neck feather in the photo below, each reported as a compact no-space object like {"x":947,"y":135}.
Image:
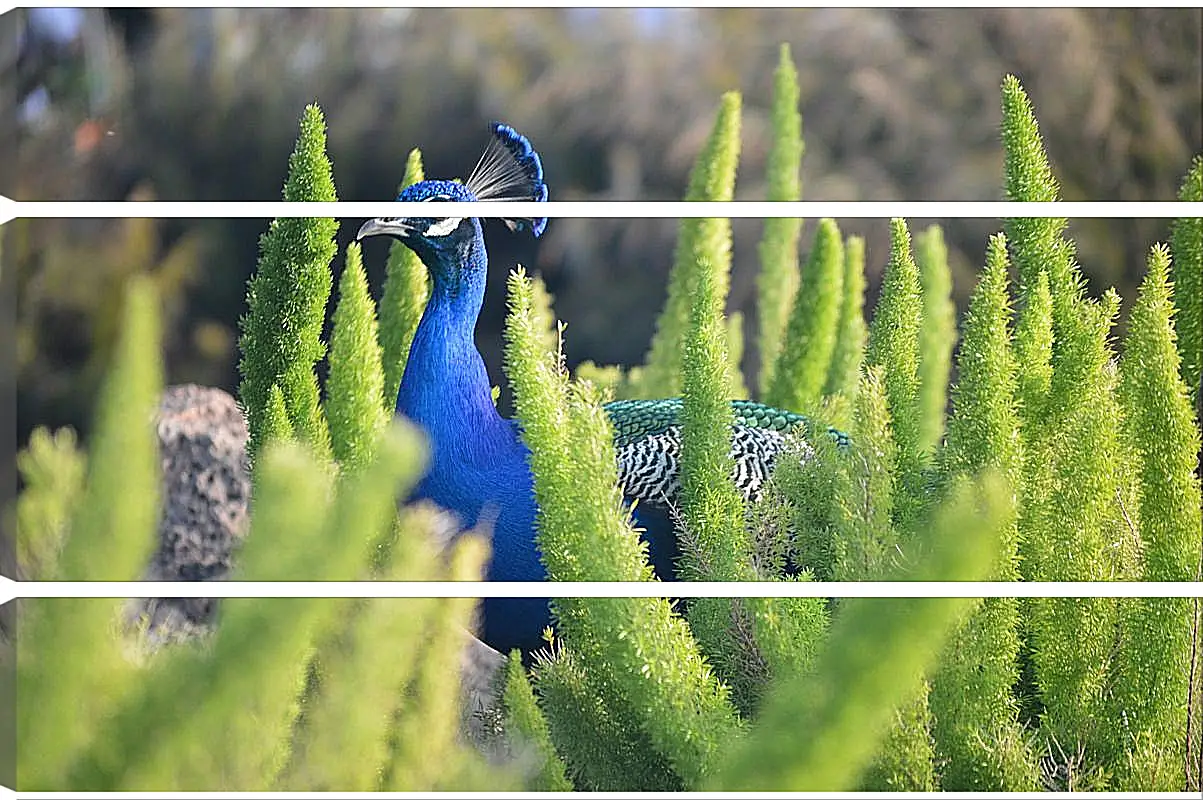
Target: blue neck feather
{"x":478,"y":465}
{"x":446,"y":388}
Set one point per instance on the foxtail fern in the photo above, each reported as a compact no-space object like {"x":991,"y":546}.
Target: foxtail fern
{"x":423,"y":741}
{"x":406,"y":288}
{"x":52,"y":468}
{"x":637,"y":649}
{"x":355,"y":384}
{"x":1029,"y":178}
{"x":810,"y":338}
{"x":978,"y":738}
{"x":894,"y":348}
{"x":112,"y":531}
{"x":526,"y":729}
{"x":848,"y":700}
{"x":1077,"y":521}
{"x":709,"y":239}
{"x":276,"y":425}
{"x":715,"y":545}
{"x":1154,"y":658}
{"x":340,"y":735}
{"x":281,"y":337}
{"x":1187,"y":247}
{"x":937,"y":336}
{"x":850,"y":340}
{"x":777,"y":284}
{"x":1034,"y":352}
{"x":602,"y":750}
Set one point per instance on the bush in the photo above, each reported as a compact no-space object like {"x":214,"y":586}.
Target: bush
{"x":1057,"y":465}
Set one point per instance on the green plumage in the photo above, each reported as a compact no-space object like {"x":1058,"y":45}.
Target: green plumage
{"x":648,"y":444}
{"x":636,"y":419}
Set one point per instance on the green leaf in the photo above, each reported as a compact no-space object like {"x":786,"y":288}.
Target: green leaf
{"x":850,"y":339}
{"x":701,"y":244}
{"x":894,"y":347}
{"x":937,"y":336}
{"x":1155,"y":653}
{"x":778,"y":280}
{"x":1187,"y":246}
{"x":281,"y":339}
{"x":810,"y":338}
{"x":406,"y":290}
{"x":639,"y":651}
{"x":848,"y":701}
{"x":356,"y":378}
{"x":52,"y":468}
{"x":112,"y":535}
{"x":526,"y":728}
{"x":976,"y":730}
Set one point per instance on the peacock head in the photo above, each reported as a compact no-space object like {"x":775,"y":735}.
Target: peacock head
{"x":509,"y":169}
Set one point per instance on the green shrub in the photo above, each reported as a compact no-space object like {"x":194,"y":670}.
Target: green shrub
{"x":1055,"y":465}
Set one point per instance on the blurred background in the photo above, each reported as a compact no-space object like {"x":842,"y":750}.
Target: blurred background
{"x":202,"y":104}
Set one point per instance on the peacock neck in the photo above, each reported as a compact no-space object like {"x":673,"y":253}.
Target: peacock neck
{"x":446,"y":388}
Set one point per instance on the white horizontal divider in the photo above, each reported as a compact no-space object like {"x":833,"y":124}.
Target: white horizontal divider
{"x":812,"y":209}
{"x":10,"y":589}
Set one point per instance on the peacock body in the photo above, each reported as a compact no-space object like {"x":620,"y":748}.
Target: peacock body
{"x":479,"y":465}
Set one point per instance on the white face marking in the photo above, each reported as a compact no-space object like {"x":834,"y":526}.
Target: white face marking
{"x":442,"y":227}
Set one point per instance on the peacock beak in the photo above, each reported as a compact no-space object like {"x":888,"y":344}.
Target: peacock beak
{"x":398,"y":228}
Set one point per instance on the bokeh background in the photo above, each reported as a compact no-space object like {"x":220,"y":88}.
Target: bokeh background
{"x":202,"y":104}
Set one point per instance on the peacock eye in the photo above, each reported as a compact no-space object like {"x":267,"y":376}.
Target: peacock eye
{"x":442,"y":227}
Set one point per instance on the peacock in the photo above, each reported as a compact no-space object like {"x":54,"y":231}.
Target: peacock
{"x":479,"y":466}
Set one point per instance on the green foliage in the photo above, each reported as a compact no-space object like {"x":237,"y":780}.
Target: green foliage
{"x":545,"y":321}
{"x":53,"y":470}
{"x":894,"y":347}
{"x":699,"y":241}
{"x":810,"y":339}
{"x":358,"y":672}
{"x":905,"y":761}
{"x":563,"y":428}
{"x":751,"y":641}
{"x":984,"y":430}
{"x":423,"y":739}
{"x":1034,"y":351}
{"x":637,"y":650}
{"x":735,"y":355}
{"x":1155,"y":654}
{"x":1074,"y":530}
{"x":866,"y":540}
{"x":312,"y":695}
{"x":526,"y":727}
{"x":803,"y":497}
{"x":286,"y":299}
{"x":276,"y":426}
{"x":1029,"y":178}
{"x":937,"y":336}
{"x":777,"y":283}
{"x":714,"y":546}
{"x":869,"y":545}
{"x":225,"y":714}
{"x":607,"y":379}
{"x":848,"y":700}
{"x":1187,"y":247}
{"x":1161,"y":429}
{"x":356,"y":378}
{"x":850,"y":340}
{"x":112,"y":530}
{"x":406,"y":289}
{"x":1080,"y":518}
{"x":603,"y":751}
{"x":976,"y":730}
